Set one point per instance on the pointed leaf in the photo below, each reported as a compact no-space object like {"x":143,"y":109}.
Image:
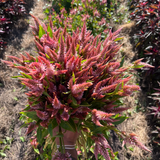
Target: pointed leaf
{"x":51,"y":126}
{"x":39,"y":135}
{"x":31,"y":127}
{"x":67,"y":126}
{"x":50,"y":31}
{"x":122,"y":62}
{"x":32,"y":115}
{"x":72,"y":123}
{"x":26,"y":75}
{"x":41,"y":31}
{"x":118,"y":39}
{"x":120,"y":120}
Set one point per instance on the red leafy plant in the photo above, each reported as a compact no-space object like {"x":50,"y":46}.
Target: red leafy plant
{"x":146,"y":14}
{"x":147,"y":17}
{"x":9,"y":9}
{"x":75,"y":77}
{"x":155,"y":111}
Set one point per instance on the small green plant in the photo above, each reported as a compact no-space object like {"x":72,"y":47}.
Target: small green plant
{"x":5,"y":143}
{"x":22,"y":139}
{"x":15,"y":98}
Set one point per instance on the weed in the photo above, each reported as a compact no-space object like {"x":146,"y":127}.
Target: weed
{"x":6,"y":143}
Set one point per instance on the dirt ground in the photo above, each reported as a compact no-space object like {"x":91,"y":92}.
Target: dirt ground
{"x":13,"y":99}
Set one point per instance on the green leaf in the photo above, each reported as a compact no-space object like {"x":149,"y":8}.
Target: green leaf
{"x":59,"y":135}
{"x":66,"y":92}
{"x":77,"y":47}
{"x":22,"y":139}
{"x":51,"y":126}
{"x":83,"y":61}
{"x":99,"y":130}
{"x":85,"y":104}
{"x":117,"y":39}
{"x":2,"y":154}
{"x":6,"y":147}
{"x":97,"y":104}
{"x":50,"y":31}
{"x":89,"y":142}
{"x":41,"y":31}
{"x":72,"y":124}
{"x":120,"y":120}
{"x":4,"y":141}
{"x":35,"y":103}
{"x":36,"y":150}
{"x":47,"y":56}
{"x":16,"y":76}
{"x":74,"y":102}
{"x":23,"y":87}
{"x":73,"y":77}
{"x":68,"y":125}
{"x":44,"y":132}
{"x":122,"y":62}
{"x":24,"y":125}
{"x":138,"y":66}
{"x":117,"y":88}
{"x":131,"y":148}
{"x":92,"y":150}
{"x":15,"y":98}
{"x":27,"y":108}
{"x":26,"y":75}
{"x":46,"y":11}
{"x":115,"y":91}
{"x":46,"y":94}
{"x":79,"y":125}
{"x":32,"y":115}
{"x":39,"y":135}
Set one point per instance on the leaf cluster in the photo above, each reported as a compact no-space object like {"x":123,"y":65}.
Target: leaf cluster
{"x":146,"y":15}
{"x":155,"y":111}
{"x":97,"y":15}
{"x":6,"y":143}
{"x":147,"y":36}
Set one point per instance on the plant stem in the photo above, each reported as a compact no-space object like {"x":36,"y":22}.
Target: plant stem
{"x":62,"y":150}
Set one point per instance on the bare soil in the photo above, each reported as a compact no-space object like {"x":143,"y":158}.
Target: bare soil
{"x":13,"y":99}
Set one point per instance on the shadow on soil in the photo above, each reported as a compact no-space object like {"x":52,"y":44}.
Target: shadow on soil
{"x":18,"y":27}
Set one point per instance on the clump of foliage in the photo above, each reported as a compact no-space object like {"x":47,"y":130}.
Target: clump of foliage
{"x":147,"y":17}
{"x":155,"y":111}
{"x":82,"y":11}
{"x":57,"y":4}
{"x":9,"y":9}
{"x":147,"y":36}
{"x":97,"y":14}
{"x":75,"y":77}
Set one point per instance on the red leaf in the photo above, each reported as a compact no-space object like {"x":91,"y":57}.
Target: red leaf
{"x":56,"y":103}
{"x":31,"y":127}
{"x":43,"y":115}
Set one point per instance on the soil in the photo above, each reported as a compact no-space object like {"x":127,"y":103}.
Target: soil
{"x":13,"y":99}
